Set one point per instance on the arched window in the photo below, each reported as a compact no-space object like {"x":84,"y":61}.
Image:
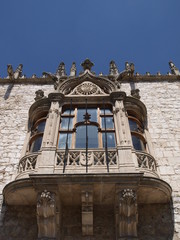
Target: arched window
{"x":75,"y":130}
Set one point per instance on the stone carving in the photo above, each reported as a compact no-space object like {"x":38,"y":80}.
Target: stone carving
{"x":78,"y":158}
{"x":27,"y":163}
{"x":135,"y":93}
{"x":113,"y":70}
{"x":39,"y":95}
{"x":14,"y":75}
{"x":87,"y":65}
{"x":87,"y":88}
{"x":87,"y":212}
{"x":146,"y":161}
{"x":73,"y":70}
{"x":61,"y":71}
{"x":129,"y":68}
{"x":174,"y":69}
{"x":127,"y":214}
{"x":46,"y":215}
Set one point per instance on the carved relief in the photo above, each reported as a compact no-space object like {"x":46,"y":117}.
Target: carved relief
{"x":46,"y":215}
{"x":87,"y":212}
{"x":87,"y":88}
{"x":127,"y":213}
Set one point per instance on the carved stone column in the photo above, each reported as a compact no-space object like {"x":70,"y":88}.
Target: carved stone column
{"x":47,"y":158}
{"x":126,"y":157}
{"x":126,"y":215}
{"x":87,"y":211}
{"x":46,"y":215}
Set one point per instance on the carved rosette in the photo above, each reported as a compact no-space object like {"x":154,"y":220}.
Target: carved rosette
{"x":46,"y":215}
{"x":127,"y":219}
{"x":87,"y":88}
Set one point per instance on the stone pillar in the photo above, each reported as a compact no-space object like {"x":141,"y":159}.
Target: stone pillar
{"x":87,"y":211}
{"x":127,"y":159}
{"x":126,"y":215}
{"x":46,"y":160}
{"x":46,"y":215}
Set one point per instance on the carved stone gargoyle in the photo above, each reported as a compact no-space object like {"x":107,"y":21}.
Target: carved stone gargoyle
{"x":174,"y":69}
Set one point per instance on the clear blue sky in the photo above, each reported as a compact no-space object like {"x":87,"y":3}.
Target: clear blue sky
{"x":42,"y":33}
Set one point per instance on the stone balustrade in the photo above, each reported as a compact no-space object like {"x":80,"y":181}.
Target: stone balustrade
{"x":146,"y":161}
{"x":27,"y":163}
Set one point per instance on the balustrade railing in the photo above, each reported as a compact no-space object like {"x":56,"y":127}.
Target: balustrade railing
{"x":27,"y":163}
{"x":94,"y":158}
{"x":146,"y":161}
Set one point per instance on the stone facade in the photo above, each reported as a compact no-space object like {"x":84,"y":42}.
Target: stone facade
{"x":93,"y":218}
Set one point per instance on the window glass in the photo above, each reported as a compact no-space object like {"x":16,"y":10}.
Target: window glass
{"x":133,"y":125}
{"x":67,"y":112}
{"x":63,"y":139}
{"x":138,"y":143}
{"x":65,"y":122}
{"x":36,"y":144}
{"x":92,"y":133}
{"x":110,"y":139}
{"x":41,"y":126}
{"x":109,"y":122}
{"x":91,"y":111}
{"x":106,"y":110}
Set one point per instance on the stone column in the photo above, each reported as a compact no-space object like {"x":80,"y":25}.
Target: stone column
{"x":46,"y":160}
{"x":46,"y":215}
{"x":87,"y":211}
{"x":126,"y":215}
{"x":127,"y":159}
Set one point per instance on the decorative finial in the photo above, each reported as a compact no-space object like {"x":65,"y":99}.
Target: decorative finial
{"x":10,"y":71}
{"x":61,"y":71}
{"x":87,"y":65}
{"x":129,"y":67}
{"x":18,"y":72}
{"x":73,"y":70}
{"x":174,"y":69}
{"x":113,"y":70}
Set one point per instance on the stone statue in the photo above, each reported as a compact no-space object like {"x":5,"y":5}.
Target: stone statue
{"x":127,"y":213}
{"x":73,"y":70}
{"x":39,"y":95}
{"x":18,"y":72}
{"x":46,"y":215}
{"x":129,"y":68}
{"x":61,"y":71}
{"x":174,"y":69}
{"x":135,"y":93}
{"x":10,"y":71}
{"x":87,"y":64}
{"x":113,"y":70}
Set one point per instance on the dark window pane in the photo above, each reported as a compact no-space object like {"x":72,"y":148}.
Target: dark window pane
{"x":92,"y":133}
{"x":109,"y":122}
{"x":106,"y":110}
{"x":41,"y":126}
{"x":91,"y":111}
{"x":138,"y":143}
{"x":133,"y":125}
{"x":65,"y":122}
{"x":63,"y":139}
{"x":110,"y":139}
{"x":36,"y":144}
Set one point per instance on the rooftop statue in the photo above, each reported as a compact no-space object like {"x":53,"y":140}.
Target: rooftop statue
{"x":73,"y":70}
{"x":174,"y":69}
{"x":113,"y":70}
{"x":87,"y":64}
{"x":16,"y":74}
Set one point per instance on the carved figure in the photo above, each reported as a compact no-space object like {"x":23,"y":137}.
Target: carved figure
{"x":135,"y":93}
{"x":174,"y":69}
{"x":46,"y":215}
{"x":18,"y":72}
{"x":127,"y":213}
{"x":39,"y":95}
{"x":61,"y":71}
{"x":10,"y":71}
{"x":113,"y":70}
{"x":73,"y":70}
{"x":87,"y":65}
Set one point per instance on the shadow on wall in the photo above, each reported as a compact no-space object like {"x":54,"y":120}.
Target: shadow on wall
{"x":155,"y":222}
{"x":8,"y":91}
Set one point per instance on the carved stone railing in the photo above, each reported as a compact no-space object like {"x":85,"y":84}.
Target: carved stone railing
{"x":78,"y":158}
{"x":27,"y":163}
{"x":146,"y":161}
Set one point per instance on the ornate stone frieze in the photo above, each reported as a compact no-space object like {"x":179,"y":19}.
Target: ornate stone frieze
{"x":46,"y":215}
{"x":87,"y":88}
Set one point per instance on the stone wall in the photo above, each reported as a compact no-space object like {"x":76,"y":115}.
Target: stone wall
{"x":162,"y":102}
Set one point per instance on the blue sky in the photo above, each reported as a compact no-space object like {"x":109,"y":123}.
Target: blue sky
{"x":42,"y":33}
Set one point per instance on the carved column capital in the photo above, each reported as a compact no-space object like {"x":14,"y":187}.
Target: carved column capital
{"x":117,"y":96}
{"x":56,"y":97}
